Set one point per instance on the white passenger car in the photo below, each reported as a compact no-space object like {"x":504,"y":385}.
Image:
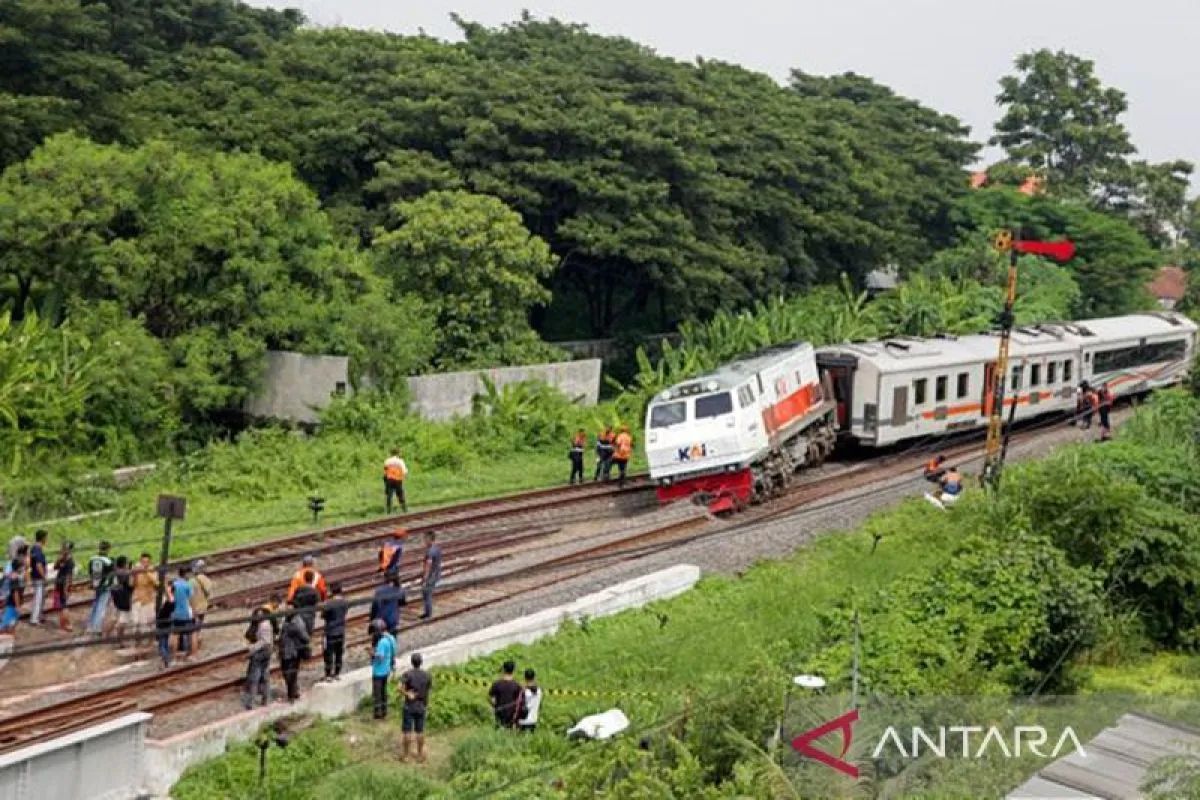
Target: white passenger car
{"x":900,"y":388}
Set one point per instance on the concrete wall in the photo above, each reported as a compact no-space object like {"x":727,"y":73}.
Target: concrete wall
{"x":103,"y":762}
{"x":165,"y":760}
{"x":450,"y":394}
{"x":606,"y":349}
{"x":294,"y":385}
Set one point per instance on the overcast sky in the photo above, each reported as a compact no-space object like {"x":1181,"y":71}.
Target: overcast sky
{"x":946,"y":53}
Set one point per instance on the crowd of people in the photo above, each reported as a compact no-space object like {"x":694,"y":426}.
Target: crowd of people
{"x":613,"y":449}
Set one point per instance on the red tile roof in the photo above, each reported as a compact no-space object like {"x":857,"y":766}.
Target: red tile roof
{"x":1169,"y":284}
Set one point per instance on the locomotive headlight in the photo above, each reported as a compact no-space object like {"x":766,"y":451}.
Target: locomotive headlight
{"x":666,"y":395}
{"x":712,"y":386}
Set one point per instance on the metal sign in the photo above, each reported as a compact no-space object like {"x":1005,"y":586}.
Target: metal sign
{"x":1002,"y":241}
{"x":170,"y":507}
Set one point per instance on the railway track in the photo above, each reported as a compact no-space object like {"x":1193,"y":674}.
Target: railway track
{"x":220,"y":675}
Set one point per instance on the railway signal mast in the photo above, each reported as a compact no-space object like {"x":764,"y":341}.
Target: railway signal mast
{"x":997,"y":439}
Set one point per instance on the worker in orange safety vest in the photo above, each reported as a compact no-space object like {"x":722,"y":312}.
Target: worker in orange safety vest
{"x":392,"y":552}
{"x":298,"y":580}
{"x":934,"y":470}
{"x":622,"y":452}
{"x":394,"y":473}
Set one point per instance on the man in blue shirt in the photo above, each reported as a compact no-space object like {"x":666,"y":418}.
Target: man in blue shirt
{"x":383,"y":657}
{"x":181,"y":618}
{"x":431,"y":572}
{"x":37,"y":576}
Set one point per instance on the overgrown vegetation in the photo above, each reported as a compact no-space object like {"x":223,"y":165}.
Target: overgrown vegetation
{"x":997,"y":598}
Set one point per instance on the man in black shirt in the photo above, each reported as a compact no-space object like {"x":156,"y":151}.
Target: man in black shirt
{"x":334,"y":615}
{"x":122,"y":596}
{"x":415,"y":684}
{"x":505,"y":697}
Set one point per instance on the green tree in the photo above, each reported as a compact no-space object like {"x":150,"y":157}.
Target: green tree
{"x":478,"y":268}
{"x":1062,"y":122}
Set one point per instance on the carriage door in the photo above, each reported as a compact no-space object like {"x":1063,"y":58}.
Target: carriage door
{"x":989,"y":397}
{"x":838,"y":370}
{"x":900,"y":406}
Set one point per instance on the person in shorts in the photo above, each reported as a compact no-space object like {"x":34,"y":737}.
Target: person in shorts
{"x":121,"y":595}
{"x":202,"y":589}
{"x":145,"y":591}
{"x":416,"y":684}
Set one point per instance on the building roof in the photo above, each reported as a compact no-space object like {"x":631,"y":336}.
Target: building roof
{"x":1114,"y":763}
{"x":1170,"y":283}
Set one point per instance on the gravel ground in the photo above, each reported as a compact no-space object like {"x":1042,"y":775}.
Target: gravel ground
{"x":728,"y":549}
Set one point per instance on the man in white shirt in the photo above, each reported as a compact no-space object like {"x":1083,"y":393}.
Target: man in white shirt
{"x":394,"y":473}
{"x":531,"y":701}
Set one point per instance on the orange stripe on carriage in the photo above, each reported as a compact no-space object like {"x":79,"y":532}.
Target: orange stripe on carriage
{"x":968,"y":408}
{"x":794,"y":406}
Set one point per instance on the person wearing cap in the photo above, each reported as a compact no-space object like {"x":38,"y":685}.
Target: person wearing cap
{"x":300,"y":578}
{"x":202,"y":587}
{"x":383,"y":659}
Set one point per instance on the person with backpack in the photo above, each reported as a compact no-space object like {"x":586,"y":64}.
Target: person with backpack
{"x":260,"y":636}
{"x":202,"y":588}
{"x":122,"y":597}
{"x":16,"y":572}
{"x":64,"y":572}
{"x":100,"y":572}
{"x":383,"y":658}
{"x":293,"y":643}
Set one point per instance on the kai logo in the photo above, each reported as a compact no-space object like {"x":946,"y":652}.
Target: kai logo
{"x":694,"y":452}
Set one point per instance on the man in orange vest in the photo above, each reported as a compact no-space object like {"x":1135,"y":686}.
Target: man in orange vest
{"x":934,"y":469}
{"x":394,"y":473}
{"x":604,"y":452}
{"x":308,"y":566}
{"x":578,"y":442}
{"x":391,"y":553}
{"x":622,"y":452}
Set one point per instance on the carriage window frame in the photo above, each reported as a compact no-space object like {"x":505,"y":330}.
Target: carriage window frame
{"x":1139,"y":355}
{"x":964,"y":385}
{"x":920,"y":391}
{"x":1015,"y":375}
{"x":941,"y":387}
{"x":745,"y":396}
{"x":1066,"y":375}
{"x":1035,"y":375}
{"x":1051,"y":373}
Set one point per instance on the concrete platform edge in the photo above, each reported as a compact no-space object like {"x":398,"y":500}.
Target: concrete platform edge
{"x":165,"y":760}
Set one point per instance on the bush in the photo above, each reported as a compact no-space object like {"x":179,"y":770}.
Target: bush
{"x":372,"y":781}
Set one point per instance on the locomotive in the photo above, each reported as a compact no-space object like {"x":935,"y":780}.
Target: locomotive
{"x":742,"y":432}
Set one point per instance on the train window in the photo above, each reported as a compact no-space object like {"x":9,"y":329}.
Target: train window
{"x":745,"y":396}
{"x":1127,"y":357}
{"x":939,"y":388}
{"x":1051,"y":373}
{"x":714,"y":405}
{"x":781,"y":387}
{"x":668,"y":414}
{"x":919,"y":386}
{"x":1067,"y":370}
{"x":1015,"y":383}
{"x":1035,"y":374}
{"x":964,"y":385}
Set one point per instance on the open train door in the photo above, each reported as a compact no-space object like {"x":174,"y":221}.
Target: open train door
{"x":989,"y":375}
{"x":837,"y":374}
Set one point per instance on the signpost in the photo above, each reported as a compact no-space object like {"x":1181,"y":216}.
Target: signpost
{"x":170,"y":508}
{"x":997,"y":439}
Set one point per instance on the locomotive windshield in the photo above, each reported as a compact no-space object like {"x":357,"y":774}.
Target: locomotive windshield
{"x":668,"y":414}
{"x":714,"y":405}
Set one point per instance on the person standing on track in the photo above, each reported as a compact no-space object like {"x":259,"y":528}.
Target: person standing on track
{"x":37,"y":576}
{"x":416,"y":684}
{"x":334,"y":617}
{"x":308,"y":565}
{"x":622,"y":453}
{"x":383,"y":661}
{"x":578,"y":442}
{"x":604,"y":453}
{"x":391,"y":553}
{"x":505,"y":697}
{"x":293,"y":642}
{"x":306,"y":599}
{"x":122,"y":597}
{"x":100,"y":569}
{"x":145,"y":587}
{"x":164,"y":621}
{"x":182,"y":618}
{"x":202,"y":587}
{"x":1088,"y":399}
{"x":394,"y":473}
{"x":15,"y":573}
{"x":260,"y":637}
{"x":64,"y":571}
{"x":385,"y":604}
{"x":431,"y":572}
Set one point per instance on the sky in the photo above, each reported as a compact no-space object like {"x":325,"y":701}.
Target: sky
{"x":948,"y":54}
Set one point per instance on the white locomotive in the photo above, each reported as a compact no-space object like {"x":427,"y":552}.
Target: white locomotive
{"x":742,"y":431}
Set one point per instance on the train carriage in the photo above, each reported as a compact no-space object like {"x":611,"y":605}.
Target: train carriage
{"x":901,"y":388}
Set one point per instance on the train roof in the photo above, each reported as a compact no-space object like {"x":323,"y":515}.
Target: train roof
{"x":734,"y":373}
{"x":904,"y":353}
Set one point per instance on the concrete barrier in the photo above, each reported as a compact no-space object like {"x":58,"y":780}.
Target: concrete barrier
{"x":165,"y":760}
{"x":296,"y":387}
{"x":450,"y":394}
{"x":103,"y":762}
